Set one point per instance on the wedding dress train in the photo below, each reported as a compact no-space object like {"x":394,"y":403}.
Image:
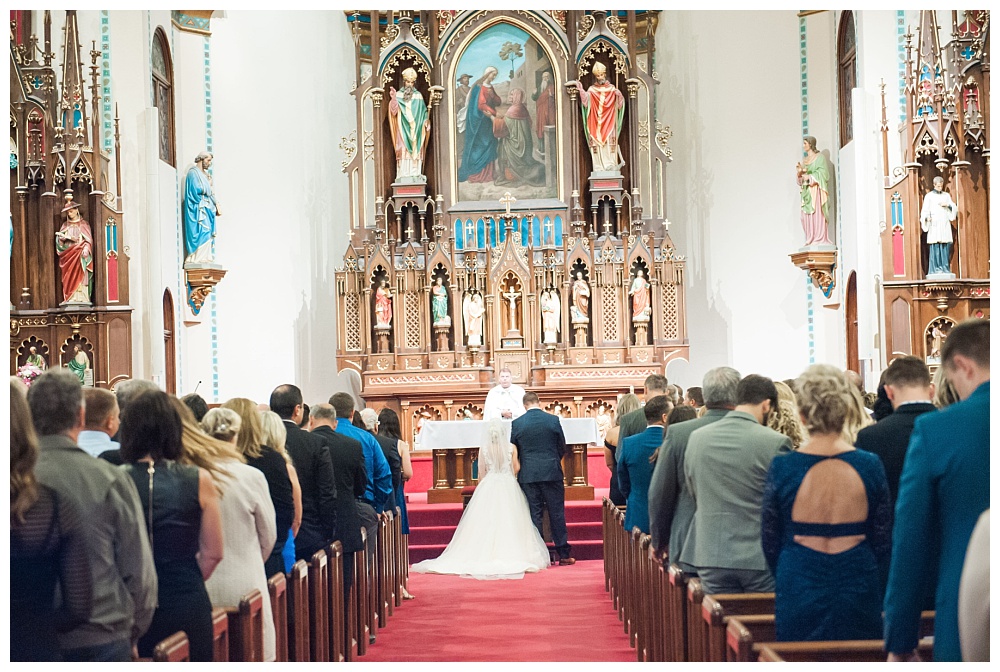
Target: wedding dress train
{"x":495,"y":539}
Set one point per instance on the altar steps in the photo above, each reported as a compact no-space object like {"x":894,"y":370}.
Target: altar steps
{"x":432,"y":526}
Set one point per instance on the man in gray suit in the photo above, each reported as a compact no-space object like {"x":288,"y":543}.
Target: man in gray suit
{"x":671,"y":507}
{"x":725,"y":468}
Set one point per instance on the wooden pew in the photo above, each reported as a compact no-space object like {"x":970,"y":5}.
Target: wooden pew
{"x":715,"y":610}
{"x":246,"y":629}
{"x":695,"y":638}
{"x":298,"y":612}
{"x":661,"y":648}
{"x":743,"y":631}
{"x":621,"y":553}
{"x":276,"y":590}
{"x":606,"y":541}
{"x":220,"y":636}
{"x":746,"y":635}
{"x":676,"y":598}
{"x":643,"y":603}
{"x":858,"y":650}
{"x":338,"y":614}
{"x":173,"y":649}
{"x":363,"y":601}
{"x":319,"y":613}
{"x":383,"y":562}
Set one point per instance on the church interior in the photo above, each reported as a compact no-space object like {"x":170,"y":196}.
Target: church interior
{"x":401,"y":204}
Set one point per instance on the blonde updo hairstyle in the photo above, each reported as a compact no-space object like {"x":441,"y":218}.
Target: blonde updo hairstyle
{"x":825,"y":399}
{"x":222,"y":424}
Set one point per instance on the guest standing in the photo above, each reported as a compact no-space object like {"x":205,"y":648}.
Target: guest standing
{"x":181,"y":508}
{"x":626,"y":404}
{"x":944,"y":487}
{"x":278,"y":473}
{"x":47,"y":550}
{"x":725,"y":467}
{"x":122,"y":574}
{"x":389,"y":429}
{"x":100,"y":422}
{"x":826,"y":523}
{"x":634,"y":467}
{"x":249,"y":520}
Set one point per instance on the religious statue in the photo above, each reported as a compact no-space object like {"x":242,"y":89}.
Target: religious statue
{"x":936,"y":216}
{"x":200,"y":211}
{"x":410,"y":127}
{"x":383,"y":305}
{"x":35,"y":359}
{"x":603,"y":109}
{"x":813,"y":175}
{"x":938,"y":336}
{"x":550,"y":316}
{"x":545,"y":107}
{"x":641,"y":309}
{"x":80,"y":363}
{"x":439,"y":304}
{"x":75,"y":246}
{"x":581,"y":300}
{"x":516,"y":164}
{"x":604,"y":422}
{"x":473,"y":310}
{"x":476,"y":120}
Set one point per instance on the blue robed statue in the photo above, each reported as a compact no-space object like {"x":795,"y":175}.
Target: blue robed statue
{"x":476,"y":120}
{"x":200,"y":210}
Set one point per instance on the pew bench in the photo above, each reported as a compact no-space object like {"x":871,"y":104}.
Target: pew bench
{"x":857,"y":650}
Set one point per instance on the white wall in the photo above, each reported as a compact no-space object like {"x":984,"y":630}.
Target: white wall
{"x":281,"y":105}
{"x":731,"y":194}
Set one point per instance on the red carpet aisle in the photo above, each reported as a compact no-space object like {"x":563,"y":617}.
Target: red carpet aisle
{"x":560,"y":614}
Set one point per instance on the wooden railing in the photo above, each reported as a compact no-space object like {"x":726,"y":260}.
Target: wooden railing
{"x":668,"y":617}
{"x":313,"y":620}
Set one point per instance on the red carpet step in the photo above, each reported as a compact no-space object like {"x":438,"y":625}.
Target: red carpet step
{"x":560,"y":614}
{"x":432,"y":526}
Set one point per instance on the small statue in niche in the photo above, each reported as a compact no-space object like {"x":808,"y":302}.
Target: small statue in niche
{"x":410,"y":127}
{"x":439,"y":304}
{"x":551,"y":311}
{"x":813,"y":175}
{"x":641,"y":309}
{"x":200,"y":211}
{"x":75,"y":246}
{"x":383,"y":305}
{"x":604,"y":422}
{"x":603,"y":110}
{"x":939,"y":332}
{"x":36,"y":359}
{"x":473,"y":310}
{"x":80,"y":363}
{"x":936,"y":216}
{"x":581,"y":299}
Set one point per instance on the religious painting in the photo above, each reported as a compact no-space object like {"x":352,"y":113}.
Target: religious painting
{"x":505,"y":116}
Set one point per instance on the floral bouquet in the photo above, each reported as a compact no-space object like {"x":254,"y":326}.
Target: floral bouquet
{"x":27,"y":373}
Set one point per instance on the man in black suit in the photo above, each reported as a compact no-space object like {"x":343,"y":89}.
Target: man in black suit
{"x":908,"y":387}
{"x":349,"y":473}
{"x":541,"y":445}
{"x":311,"y":459}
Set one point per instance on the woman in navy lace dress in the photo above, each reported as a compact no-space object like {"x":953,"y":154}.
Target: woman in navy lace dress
{"x":826,"y":524}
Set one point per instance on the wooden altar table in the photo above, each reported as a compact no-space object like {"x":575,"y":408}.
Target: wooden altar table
{"x":454,"y":446}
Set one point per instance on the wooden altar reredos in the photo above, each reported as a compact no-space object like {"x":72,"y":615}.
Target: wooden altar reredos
{"x":553,"y":249}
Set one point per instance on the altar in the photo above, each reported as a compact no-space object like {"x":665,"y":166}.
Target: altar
{"x":455,"y":446}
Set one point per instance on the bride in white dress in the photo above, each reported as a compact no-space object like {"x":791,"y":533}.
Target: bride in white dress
{"x":495,"y":539}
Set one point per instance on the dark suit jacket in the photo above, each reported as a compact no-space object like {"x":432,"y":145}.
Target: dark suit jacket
{"x":889,"y":437}
{"x":944,"y":487}
{"x":541,"y":445}
{"x":349,"y":474}
{"x":671,"y":506}
{"x":312,"y":463}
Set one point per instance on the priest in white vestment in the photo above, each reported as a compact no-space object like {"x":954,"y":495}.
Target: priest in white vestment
{"x":505,"y":401}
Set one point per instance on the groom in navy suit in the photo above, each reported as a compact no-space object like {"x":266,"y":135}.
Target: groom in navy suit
{"x":541,"y":445}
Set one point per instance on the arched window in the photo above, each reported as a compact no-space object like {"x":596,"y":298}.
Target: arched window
{"x":163,"y":94}
{"x":847,"y":73}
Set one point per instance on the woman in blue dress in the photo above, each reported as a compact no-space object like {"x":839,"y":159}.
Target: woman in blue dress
{"x":826,"y":524}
